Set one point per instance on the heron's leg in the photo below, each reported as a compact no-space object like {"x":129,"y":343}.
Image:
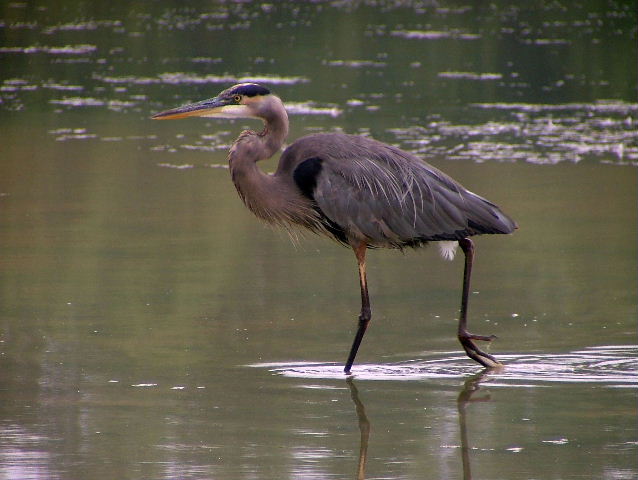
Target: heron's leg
{"x":366,"y":314}
{"x":466,"y":338}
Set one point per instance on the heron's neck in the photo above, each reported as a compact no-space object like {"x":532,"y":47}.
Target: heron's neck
{"x":251,"y":147}
{"x":261,"y":192}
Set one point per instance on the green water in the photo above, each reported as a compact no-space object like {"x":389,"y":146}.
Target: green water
{"x":151,"y":328}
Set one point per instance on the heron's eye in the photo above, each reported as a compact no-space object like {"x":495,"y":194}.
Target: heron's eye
{"x":237,"y":98}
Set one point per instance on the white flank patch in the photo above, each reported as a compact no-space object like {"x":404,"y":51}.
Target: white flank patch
{"x":448,"y":249}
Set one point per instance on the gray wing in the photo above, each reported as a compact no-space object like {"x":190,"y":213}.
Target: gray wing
{"x":372,"y":192}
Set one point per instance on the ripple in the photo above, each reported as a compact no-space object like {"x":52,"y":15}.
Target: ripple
{"x":603,"y":131}
{"x":612,"y":366}
{"x":62,"y":50}
{"x":82,"y":26}
{"x":434,"y":35}
{"x":63,"y":87}
{"x":78,"y":102}
{"x":178,"y":78}
{"x":74,"y":102}
{"x":184,"y":166}
{"x":355,"y":63}
{"x":310,"y":108}
{"x":470,"y":76}
{"x":607,"y":106}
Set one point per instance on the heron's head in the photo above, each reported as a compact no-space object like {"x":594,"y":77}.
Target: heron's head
{"x":246,"y":100}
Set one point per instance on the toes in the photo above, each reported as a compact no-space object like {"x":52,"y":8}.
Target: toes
{"x":471,"y":336}
{"x":479,"y":356}
{"x":488,"y":361}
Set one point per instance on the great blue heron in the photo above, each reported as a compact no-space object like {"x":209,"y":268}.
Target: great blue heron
{"x":361,"y":192}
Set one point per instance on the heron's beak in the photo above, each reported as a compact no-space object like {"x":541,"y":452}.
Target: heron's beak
{"x":214,"y":107}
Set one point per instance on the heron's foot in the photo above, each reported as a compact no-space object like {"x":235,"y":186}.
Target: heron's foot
{"x":475,"y":353}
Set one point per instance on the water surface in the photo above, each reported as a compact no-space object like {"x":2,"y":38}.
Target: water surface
{"x":150,"y":327}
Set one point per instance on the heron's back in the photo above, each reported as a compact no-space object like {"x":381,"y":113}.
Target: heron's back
{"x":365,"y":190}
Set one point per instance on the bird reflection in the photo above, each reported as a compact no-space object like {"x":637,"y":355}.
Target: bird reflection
{"x":465,"y":397}
{"x":364,"y":428}
{"x":471,"y":386}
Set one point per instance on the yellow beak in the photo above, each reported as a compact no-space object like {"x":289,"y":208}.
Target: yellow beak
{"x":206,"y":108}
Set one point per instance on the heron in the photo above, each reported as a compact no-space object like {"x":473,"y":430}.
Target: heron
{"x":353,"y":189}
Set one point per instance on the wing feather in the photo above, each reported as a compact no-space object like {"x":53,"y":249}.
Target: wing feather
{"x":387,"y":197}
